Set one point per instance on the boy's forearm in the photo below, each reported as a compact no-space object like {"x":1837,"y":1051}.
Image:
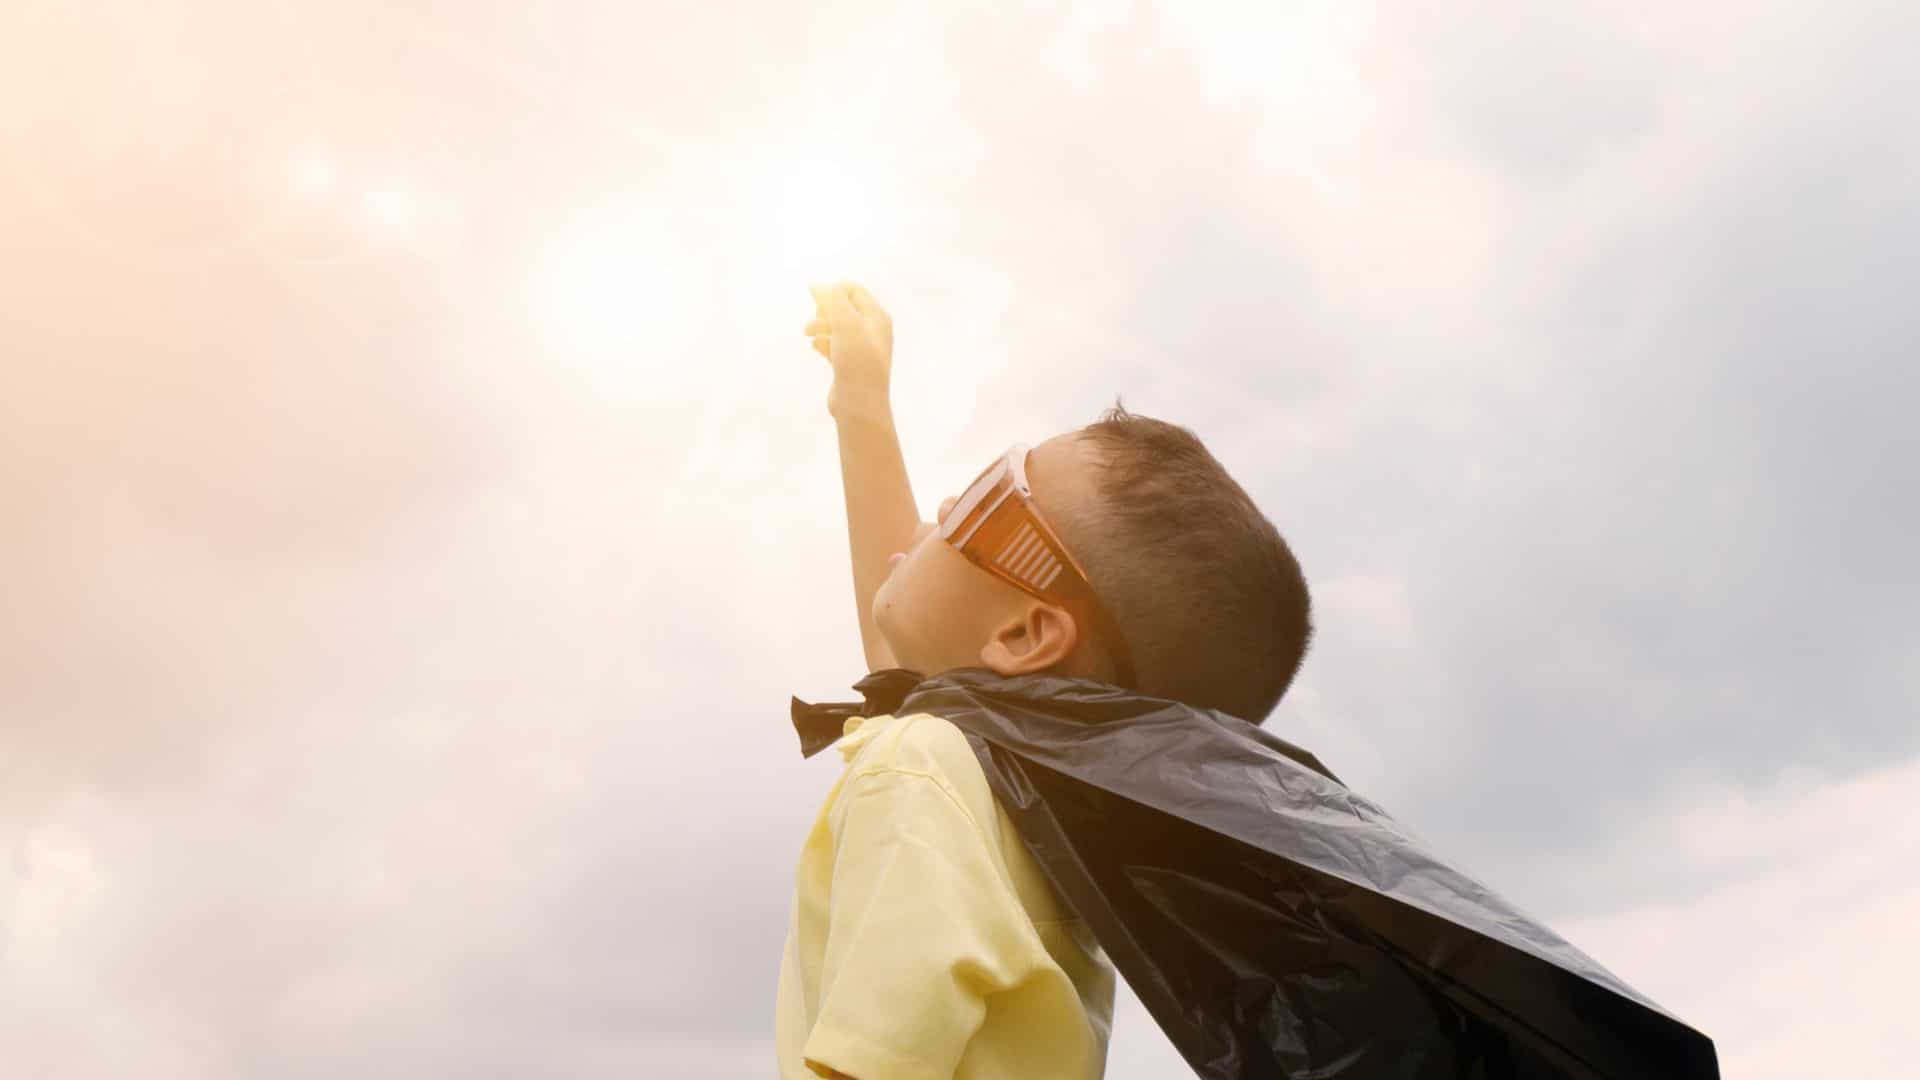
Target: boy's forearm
{"x":882,"y":517}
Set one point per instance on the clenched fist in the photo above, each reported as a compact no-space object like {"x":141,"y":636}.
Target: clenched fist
{"x":854,"y":333}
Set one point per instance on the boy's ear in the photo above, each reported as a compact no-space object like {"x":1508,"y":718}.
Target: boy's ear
{"x":1039,"y":637}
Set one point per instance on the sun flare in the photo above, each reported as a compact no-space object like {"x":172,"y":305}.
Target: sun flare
{"x":810,"y":215}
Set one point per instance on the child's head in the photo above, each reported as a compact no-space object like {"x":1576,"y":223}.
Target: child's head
{"x":1208,"y":596}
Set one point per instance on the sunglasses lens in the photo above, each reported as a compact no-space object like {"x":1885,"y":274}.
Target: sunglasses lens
{"x":970,"y":500}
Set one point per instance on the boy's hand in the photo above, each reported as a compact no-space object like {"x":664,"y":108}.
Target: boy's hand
{"x":854,"y":333}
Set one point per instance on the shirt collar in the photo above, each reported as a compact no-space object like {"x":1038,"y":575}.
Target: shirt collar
{"x":858,"y":732}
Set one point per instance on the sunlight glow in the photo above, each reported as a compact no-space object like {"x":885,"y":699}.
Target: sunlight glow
{"x":828,"y":213}
{"x":810,"y":212}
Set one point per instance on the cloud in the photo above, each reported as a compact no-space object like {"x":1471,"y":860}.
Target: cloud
{"x":1811,"y":881}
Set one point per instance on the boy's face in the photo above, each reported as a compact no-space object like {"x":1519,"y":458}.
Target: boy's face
{"x":936,"y":610}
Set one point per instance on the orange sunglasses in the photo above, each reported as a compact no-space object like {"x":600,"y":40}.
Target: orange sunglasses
{"x":996,"y":525}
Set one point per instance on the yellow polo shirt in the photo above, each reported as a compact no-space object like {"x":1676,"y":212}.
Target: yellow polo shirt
{"x":925,"y":943}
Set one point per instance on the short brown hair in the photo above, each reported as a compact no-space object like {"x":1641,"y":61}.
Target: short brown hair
{"x":1209,"y":597}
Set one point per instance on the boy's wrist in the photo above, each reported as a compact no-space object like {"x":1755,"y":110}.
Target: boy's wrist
{"x":860,"y":404}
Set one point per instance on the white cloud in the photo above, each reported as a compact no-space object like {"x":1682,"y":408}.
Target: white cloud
{"x":1797,"y":958}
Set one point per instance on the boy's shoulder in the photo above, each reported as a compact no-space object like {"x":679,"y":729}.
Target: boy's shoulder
{"x":929,"y":746}
{"x":914,"y":742}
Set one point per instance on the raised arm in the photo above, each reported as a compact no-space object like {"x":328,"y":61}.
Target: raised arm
{"x":855,"y":334}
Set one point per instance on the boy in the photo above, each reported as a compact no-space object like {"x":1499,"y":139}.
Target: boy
{"x":925,"y":940}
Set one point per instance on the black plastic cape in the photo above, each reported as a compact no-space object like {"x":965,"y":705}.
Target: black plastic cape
{"x":1275,"y":923}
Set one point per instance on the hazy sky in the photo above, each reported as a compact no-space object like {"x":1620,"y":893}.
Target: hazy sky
{"x":417,"y":501}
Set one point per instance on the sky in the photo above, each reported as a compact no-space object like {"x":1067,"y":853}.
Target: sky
{"x":418,"y":501}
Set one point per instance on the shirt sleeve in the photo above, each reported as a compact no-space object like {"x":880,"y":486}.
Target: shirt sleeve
{"x":922,"y":928}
